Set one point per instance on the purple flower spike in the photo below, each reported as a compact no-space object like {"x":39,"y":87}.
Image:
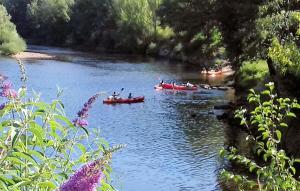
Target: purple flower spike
{"x":86,"y":179}
{"x":6,"y":85}
{"x":83,"y":113}
{"x":2,"y":106}
{"x":80,"y":122}
{"x":7,"y":90}
{"x":12,"y":93}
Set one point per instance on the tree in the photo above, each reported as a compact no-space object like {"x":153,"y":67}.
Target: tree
{"x":18,"y":11}
{"x":50,"y":19}
{"x":10,"y":41}
{"x":135,"y":23}
{"x":92,"y":23}
{"x":197,"y":28}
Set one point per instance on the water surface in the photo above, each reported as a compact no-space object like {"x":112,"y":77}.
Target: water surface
{"x":172,"y":140}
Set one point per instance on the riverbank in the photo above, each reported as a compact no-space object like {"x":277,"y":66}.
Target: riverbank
{"x":33,"y":55}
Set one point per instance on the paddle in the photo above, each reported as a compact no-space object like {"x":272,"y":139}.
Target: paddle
{"x":121,"y":90}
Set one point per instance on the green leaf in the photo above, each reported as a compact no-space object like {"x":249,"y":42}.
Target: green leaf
{"x":15,"y":139}
{"x":291,"y":114}
{"x":6,"y":180}
{"x":25,"y":156}
{"x":21,"y":183}
{"x":252,"y":167}
{"x":47,"y":184}
{"x":297,"y":160}
{"x":293,"y":170}
{"x":266,"y":156}
{"x":278,"y":134}
{"x":266,"y":92}
{"x":283,"y":125}
{"x":296,"y":106}
{"x":64,"y":119}
{"x":85,"y":130}
{"x":81,"y":147}
{"x":3,"y":186}
{"x":38,"y":154}
{"x":15,"y":160}
{"x":38,"y":131}
{"x":265,"y":135}
{"x":252,"y":91}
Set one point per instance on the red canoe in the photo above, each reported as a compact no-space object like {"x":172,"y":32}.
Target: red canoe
{"x":176,"y":87}
{"x":122,"y":100}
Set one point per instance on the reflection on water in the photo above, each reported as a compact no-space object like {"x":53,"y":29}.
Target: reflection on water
{"x":173,"y":141}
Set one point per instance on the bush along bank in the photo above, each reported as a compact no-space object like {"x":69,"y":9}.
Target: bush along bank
{"x":265,"y":123}
{"x":10,"y":41}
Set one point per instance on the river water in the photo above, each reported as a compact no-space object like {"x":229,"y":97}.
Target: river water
{"x":172,"y":139}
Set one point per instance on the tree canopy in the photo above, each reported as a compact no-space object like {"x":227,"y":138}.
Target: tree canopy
{"x":243,"y":31}
{"x":10,"y":41}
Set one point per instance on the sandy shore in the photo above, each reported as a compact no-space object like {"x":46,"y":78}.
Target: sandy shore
{"x":32,"y":55}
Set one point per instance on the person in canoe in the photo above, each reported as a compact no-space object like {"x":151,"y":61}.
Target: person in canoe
{"x":161,"y":83}
{"x":130,"y":96}
{"x":173,"y":85}
{"x":114,"y":96}
{"x":189,"y":85}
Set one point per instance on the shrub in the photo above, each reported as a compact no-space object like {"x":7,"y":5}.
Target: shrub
{"x":286,"y":57}
{"x":252,"y":72}
{"x":199,"y":37}
{"x":10,"y":41}
{"x":164,"y":33}
{"x":135,"y":23}
{"x":152,"y":49}
{"x":264,"y":126}
{"x":40,"y":147}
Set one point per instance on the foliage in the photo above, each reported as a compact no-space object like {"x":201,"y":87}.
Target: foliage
{"x":135,"y":22}
{"x":164,"y":33}
{"x":196,"y":27}
{"x":93,"y":26}
{"x":49,"y":19}
{"x":264,"y":125}
{"x":286,"y":57}
{"x":18,"y":11}
{"x":250,"y":73}
{"x":10,"y":41}
{"x":40,"y":147}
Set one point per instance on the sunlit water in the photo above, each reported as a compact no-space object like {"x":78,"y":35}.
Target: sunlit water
{"x":167,"y":149}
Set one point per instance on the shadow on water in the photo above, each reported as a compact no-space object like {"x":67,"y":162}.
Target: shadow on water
{"x":173,"y":139}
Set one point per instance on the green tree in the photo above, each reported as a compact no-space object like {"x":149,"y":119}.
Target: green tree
{"x":196,"y":26}
{"x":135,"y":24}
{"x":18,"y":11}
{"x":49,"y":19}
{"x":10,"y":41}
{"x":237,"y":20}
{"x":93,"y":23}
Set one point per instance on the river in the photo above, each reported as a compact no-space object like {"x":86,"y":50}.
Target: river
{"x":172,"y":139}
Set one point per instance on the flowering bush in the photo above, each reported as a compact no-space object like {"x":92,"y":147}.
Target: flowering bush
{"x":40,"y":147}
{"x":264,"y":125}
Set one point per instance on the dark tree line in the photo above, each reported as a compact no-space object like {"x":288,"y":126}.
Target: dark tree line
{"x":249,"y":33}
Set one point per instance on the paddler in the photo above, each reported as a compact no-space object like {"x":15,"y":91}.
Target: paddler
{"x":114,"y":96}
{"x":161,"y":83}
